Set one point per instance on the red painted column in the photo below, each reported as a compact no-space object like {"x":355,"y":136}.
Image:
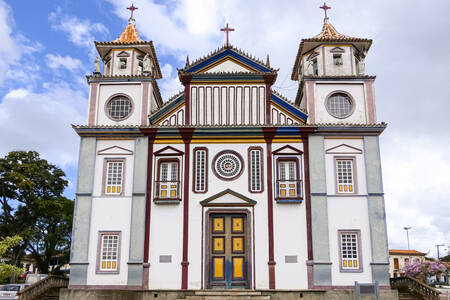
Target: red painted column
{"x":151,"y":133}
{"x":186,"y":135}
{"x":269,"y":133}
{"x":186,"y":81}
{"x":309,"y":266}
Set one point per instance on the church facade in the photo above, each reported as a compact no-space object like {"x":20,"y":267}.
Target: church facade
{"x":229,"y":185}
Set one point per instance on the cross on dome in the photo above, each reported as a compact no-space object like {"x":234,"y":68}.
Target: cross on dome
{"x":227,"y":30}
{"x":132,"y":8}
{"x":325,"y":7}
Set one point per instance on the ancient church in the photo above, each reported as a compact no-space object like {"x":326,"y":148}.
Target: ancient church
{"x":229,"y":184}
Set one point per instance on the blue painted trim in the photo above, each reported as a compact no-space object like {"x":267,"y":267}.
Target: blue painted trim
{"x":289,"y":107}
{"x":166,"y":109}
{"x":232,"y":53}
{"x":295,"y":131}
{"x":288,"y":201}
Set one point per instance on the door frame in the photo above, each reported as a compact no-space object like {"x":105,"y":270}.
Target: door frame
{"x":248,"y":245}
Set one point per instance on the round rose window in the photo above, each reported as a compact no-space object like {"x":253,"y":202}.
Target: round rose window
{"x":227,"y":165}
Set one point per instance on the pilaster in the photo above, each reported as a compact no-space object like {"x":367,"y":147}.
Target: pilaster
{"x":82,"y":212}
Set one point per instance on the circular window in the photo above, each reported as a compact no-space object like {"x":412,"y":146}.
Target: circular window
{"x":227,"y":165}
{"x":119,"y":108}
{"x":339,"y":105}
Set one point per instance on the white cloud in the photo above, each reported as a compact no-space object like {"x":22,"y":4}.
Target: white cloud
{"x":68,"y":62}
{"x":41,"y":121}
{"x":80,"y":31}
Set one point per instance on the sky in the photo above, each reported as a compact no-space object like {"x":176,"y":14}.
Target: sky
{"x":47,"y":48}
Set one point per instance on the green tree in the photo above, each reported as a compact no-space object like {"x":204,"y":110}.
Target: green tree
{"x":8,"y":270}
{"x":32,"y":206}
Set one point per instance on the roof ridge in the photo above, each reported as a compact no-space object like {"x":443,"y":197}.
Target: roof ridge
{"x":278,"y":94}
{"x":224,"y":48}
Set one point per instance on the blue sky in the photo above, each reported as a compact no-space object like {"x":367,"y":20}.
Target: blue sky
{"x":47,"y":49}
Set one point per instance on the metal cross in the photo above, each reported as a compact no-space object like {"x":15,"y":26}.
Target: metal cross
{"x":227,"y":30}
{"x":132,"y":8}
{"x":325,"y":7}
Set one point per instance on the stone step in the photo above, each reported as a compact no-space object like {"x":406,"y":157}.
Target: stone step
{"x":407,"y":296}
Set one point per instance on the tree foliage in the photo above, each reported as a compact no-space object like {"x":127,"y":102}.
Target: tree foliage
{"x":32,"y":206}
{"x":8,"y":270}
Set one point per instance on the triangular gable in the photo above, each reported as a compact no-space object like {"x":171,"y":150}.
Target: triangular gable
{"x":288,"y":108}
{"x":287,"y":150}
{"x":115,"y":150}
{"x":312,"y":55}
{"x":169,"y":107}
{"x":224,"y":54}
{"x":228,"y":65}
{"x":123,"y":54}
{"x":337,"y":50}
{"x":228,"y":197}
{"x":344,"y":149}
{"x":168,"y":151}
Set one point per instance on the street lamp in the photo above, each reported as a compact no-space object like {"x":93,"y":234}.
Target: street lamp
{"x":407,"y":234}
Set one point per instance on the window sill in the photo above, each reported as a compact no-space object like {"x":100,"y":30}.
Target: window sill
{"x":167,"y":201}
{"x":287,"y":200}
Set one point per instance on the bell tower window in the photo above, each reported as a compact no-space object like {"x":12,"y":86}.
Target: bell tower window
{"x":123,"y":63}
{"x":315,"y":67}
{"x":337,"y":58}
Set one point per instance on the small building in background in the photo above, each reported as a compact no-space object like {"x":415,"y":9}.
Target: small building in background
{"x":399,"y":258}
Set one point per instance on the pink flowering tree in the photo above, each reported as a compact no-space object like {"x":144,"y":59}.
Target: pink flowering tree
{"x":422,"y":270}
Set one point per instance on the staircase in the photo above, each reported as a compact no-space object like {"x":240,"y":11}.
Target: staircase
{"x":226,"y":295}
{"x":45,"y":289}
{"x":407,"y":296}
{"x":410,"y":288}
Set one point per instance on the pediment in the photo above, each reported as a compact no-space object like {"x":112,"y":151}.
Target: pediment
{"x":123,"y":54}
{"x":287,"y":150}
{"x":115,"y":150}
{"x":312,"y":55}
{"x":228,"y":197}
{"x":229,"y":65}
{"x":343,"y":149}
{"x":168,"y":151}
{"x":337,"y":50}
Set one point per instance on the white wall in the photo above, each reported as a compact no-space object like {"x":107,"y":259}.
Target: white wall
{"x":355,"y":89}
{"x":349,"y":213}
{"x":132,"y":90}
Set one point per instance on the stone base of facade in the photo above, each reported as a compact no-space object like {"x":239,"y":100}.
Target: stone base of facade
{"x":122,"y":294}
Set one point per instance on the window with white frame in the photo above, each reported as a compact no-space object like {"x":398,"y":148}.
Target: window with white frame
{"x":345,"y":176}
{"x":200,"y":165}
{"x":255,"y":170}
{"x":114,"y":177}
{"x":109,"y":252}
{"x":167,"y":185}
{"x":288,"y":181}
{"x":349,"y":248}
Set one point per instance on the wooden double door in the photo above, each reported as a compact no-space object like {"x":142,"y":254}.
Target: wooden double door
{"x":228,"y":253}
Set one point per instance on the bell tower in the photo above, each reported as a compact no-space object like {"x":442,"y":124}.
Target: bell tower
{"x":333,"y":86}
{"x":126,"y":92}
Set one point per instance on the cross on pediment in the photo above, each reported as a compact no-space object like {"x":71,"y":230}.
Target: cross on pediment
{"x":227,"y":30}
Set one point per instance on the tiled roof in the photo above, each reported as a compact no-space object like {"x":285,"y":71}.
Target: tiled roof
{"x":130,"y":34}
{"x":406,"y":252}
{"x":327,"y":34}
